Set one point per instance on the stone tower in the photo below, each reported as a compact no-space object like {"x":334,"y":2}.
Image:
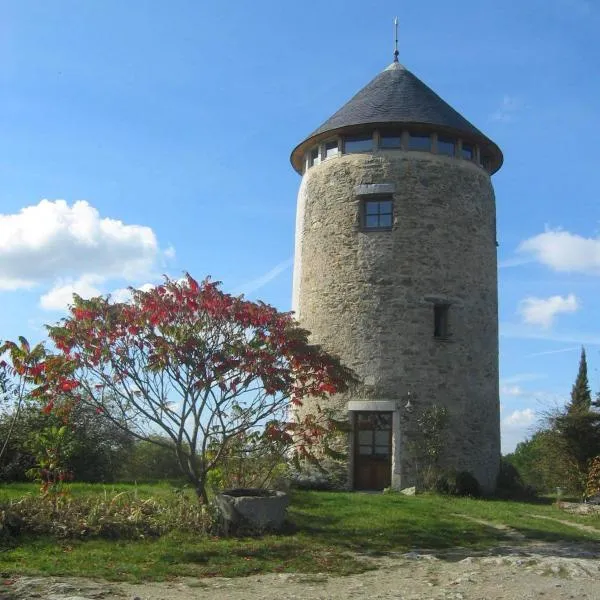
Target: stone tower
{"x":395,"y":272}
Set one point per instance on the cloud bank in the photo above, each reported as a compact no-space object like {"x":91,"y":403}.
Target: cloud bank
{"x":543,"y":311}
{"x":564,"y":251}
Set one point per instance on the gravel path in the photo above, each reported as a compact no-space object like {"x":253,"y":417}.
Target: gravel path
{"x":522,"y":572}
{"x":518,"y":570}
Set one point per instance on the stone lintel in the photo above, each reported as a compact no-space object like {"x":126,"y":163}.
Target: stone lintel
{"x":373,"y":405}
{"x":439,"y":299}
{"x":367,"y":189}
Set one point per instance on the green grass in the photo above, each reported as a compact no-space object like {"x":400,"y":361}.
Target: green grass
{"x":333,"y":532}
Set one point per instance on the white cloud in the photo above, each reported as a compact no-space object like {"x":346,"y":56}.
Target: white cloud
{"x":61,"y":295}
{"x":169,"y":253}
{"x":514,"y":262}
{"x":564,"y":251}
{"x":516,"y":427}
{"x":124,"y":294}
{"x":509,"y":107}
{"x":526,"y":416}
{"x":53,"y":240}
{"x":511,"y":390}
{"x":521,"y":377}
{"x":543,"y":311}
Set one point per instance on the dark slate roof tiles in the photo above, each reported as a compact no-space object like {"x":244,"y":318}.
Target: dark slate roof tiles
{"x":396,"y":96}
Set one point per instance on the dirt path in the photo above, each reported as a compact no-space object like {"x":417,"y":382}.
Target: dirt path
{"x":519,"y":572}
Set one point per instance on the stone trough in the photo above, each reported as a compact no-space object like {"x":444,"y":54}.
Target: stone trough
{"x":252,"y":509}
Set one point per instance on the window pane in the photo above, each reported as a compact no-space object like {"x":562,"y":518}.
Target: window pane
{"x":382,"y":438}
{"x":446,"y":146}
{"x":385,"y":220}
{"x":384,"y":421}
{"x":372,"y":221}
{"x":440,"y":320}
{"x":419,"y":142}
{"x":385,"y":207}
{"x":364,"y":421}
{"x":331,"y":149}
{"x":365,"y":450}
{"x":358,"y":144}
{"x":382,"y":450}
{"x":390,"y":141}
{"x":372,"y":208}
{"x":467,"y":151}
{"x":314,"y":156}
{"x":365,"y":437}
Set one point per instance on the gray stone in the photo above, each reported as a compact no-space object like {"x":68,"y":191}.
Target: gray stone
{"x":255,"y":509}
{"x":409,"y":491}
{"x":368,"y":298}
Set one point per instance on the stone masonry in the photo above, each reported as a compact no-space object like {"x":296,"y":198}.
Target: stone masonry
{"x":368,"y":297}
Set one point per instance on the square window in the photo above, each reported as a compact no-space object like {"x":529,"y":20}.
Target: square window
{"x":440,"y":321}
{"x":467,"y":151}
{"x":314,"y":156}
{"x":446,"y":146}
{"x":390,"y":141}
{"x":331,"y":149}
{"x":419,"y":142}
{"x":362,"y":143}
{"x":377,"y":214}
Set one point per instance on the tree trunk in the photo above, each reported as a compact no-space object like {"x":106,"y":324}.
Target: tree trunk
{"x":201,"y":492}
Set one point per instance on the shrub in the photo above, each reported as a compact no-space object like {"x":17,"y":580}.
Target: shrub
{"x":510,"y":485}
{"x":593,"y":481}
{"x":123,"y":516}
{"x":461,"y":483}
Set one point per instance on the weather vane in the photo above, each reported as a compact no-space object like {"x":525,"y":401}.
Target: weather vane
{"x":396,"y":46}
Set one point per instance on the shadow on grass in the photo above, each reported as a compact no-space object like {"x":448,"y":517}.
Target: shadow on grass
{"x":378,"y":526}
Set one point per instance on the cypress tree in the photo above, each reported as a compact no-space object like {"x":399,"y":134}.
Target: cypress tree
{"x":581,"y":395}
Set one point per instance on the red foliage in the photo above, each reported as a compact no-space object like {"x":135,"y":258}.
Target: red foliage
{"x":236,"y":360}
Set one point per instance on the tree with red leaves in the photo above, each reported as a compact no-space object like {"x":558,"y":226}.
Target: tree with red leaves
{"x":198,"y":365}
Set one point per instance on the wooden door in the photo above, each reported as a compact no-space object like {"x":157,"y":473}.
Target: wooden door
{"x":372,"y":450}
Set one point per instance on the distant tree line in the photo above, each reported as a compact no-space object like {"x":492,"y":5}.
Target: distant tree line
{"x":94,"y":449}
{"x":565,"y":451}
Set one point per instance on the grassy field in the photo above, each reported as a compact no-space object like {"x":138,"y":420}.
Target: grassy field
{"x":331,"y":532}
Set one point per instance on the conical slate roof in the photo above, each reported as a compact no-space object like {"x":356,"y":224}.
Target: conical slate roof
{"x":397,"y":97}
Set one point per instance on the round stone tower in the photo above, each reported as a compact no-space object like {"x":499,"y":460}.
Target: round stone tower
{"x":395,"y":273}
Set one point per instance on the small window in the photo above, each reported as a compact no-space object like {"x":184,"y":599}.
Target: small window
{"x":440,"y":321}
{"x":314,"y":157}
{"x":485,"y":162}
{"x":331,"y":149}
{"x":377,"y":214}
{"x":362,"y":143}
{"x":446,"y":146}
{"x":390,"y":141}
{"x":419,"y":142}
{"x":467,"y":151}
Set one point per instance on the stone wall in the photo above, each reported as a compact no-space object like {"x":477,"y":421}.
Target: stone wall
{"x":368,"y":296}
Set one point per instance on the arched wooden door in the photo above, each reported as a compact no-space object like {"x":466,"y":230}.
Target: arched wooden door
{"x":372,"y":450}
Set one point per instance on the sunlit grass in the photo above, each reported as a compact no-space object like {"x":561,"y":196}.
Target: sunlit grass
{"x":329,"y":532}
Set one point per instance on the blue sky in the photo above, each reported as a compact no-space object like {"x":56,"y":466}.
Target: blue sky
{"x":166,"y":129}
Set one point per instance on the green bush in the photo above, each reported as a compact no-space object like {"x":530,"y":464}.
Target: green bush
{"x":510,"y":485}
{"x":148,"y":462}
{"x":458,"y":483}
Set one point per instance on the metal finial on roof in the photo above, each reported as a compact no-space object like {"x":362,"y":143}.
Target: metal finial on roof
{"x":396,"y":46}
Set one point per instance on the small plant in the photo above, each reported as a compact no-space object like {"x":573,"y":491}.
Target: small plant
{"x":122,"y":516}
{"x":461,"y":483}
{"x":510,"y":485}
{"x":432,"y":423}
{"x":593,"y":481}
